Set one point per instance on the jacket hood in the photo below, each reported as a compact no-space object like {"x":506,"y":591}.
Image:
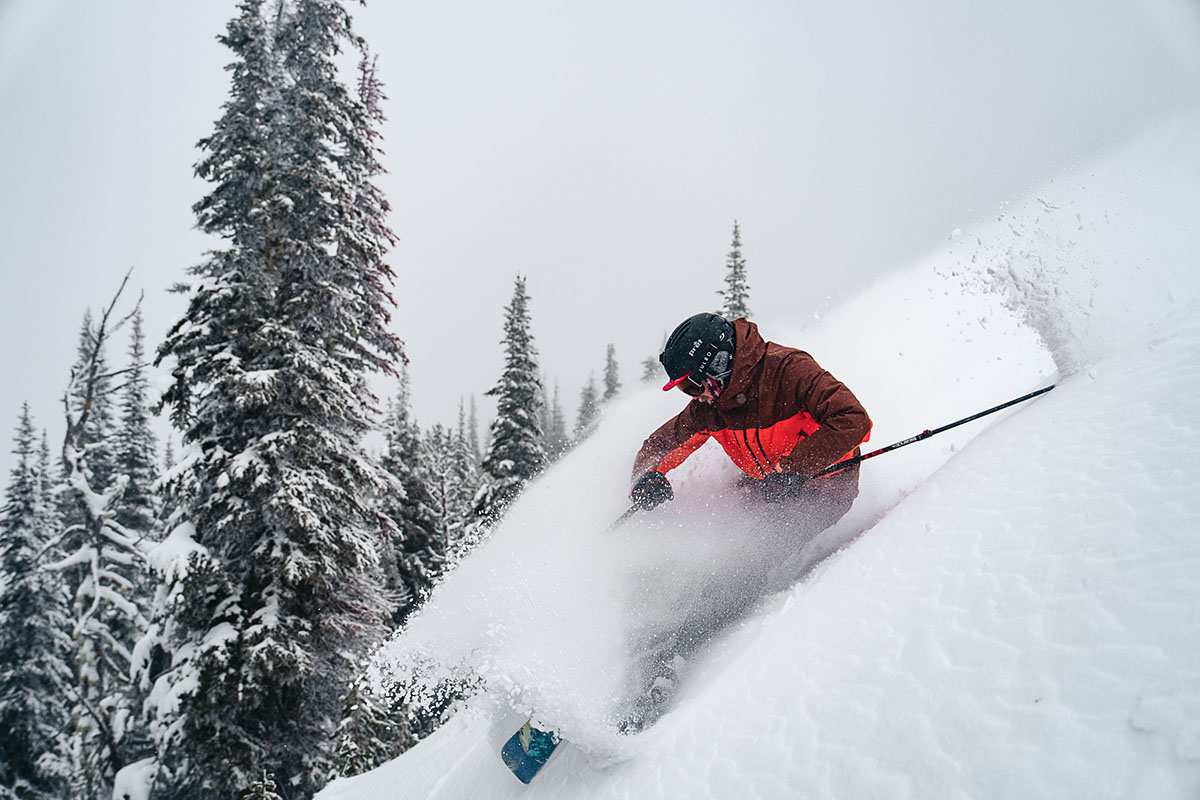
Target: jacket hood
{"x":748,"y":351}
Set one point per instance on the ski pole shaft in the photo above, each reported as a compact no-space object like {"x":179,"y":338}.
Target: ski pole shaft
{"x":927,"y":433}
{"x":622,"y":519}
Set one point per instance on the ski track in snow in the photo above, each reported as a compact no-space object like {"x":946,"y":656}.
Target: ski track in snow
{"x":1011,"y":609}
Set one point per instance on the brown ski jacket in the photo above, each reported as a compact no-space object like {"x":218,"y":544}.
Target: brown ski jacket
{"x":780,"y":412}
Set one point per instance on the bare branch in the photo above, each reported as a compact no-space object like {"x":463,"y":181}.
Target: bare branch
{"x":94,"y":714}
{"x":57,"y":541}
{"x":97,"y":338}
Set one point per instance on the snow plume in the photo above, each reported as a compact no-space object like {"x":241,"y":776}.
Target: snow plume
{"x":561,"y":616}
{"x":1096,"y":252}
{"x":1008,"y":610}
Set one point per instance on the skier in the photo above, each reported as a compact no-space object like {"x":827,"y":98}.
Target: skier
{"x":779,"y":416}
{"x":781,"y":419}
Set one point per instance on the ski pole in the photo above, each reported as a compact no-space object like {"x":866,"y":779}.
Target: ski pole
{"x":633,"y":509}
{"x":922,"y":435}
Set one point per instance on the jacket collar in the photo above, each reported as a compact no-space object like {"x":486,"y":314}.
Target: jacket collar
{"x":749,"y":348}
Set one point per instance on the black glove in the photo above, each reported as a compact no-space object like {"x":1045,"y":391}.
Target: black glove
{"x":779,"y":486}
{"x":651,"y":490}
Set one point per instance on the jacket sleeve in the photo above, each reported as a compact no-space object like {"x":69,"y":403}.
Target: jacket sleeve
{"x":844,"y":422}
{"x":673,"y":442}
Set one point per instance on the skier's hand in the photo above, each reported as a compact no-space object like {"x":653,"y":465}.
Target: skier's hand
{"x":651,"y":490}
{"x":779,"y":486}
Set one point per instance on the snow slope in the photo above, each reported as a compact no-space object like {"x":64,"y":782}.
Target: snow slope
{"x":1011,"y":609}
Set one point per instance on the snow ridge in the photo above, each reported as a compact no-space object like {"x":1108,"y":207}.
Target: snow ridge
{"x":1009,"y":609}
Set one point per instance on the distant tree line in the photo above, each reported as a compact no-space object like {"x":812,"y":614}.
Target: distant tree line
{"x":193,"y":624}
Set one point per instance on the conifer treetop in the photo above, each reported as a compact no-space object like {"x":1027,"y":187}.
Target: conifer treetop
{"x":516,"y":452}
{"x":736,"y":294}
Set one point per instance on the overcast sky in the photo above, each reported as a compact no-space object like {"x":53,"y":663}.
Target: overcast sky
{"x":603,"y":149}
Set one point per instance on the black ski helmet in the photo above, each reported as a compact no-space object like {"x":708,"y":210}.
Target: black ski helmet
{"x":692,"y":345}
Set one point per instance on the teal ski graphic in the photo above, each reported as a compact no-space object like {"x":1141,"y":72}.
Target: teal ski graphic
{"x":527,"y":751}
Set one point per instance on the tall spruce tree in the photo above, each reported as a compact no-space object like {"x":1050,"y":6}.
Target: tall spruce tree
{"x":589,"y":410}
{"x":137,"y":513}
{"x":516,"y":452}
{"x":436,"y":450}
{"x":544,"y":411}
{"x":370,"y":733}
{"x":473,"y":432}
{"x":452,"y":480}
{"x":558,"y":441}
{"x":35,"y":666}
{"x":134,"y":446}
{"x":466,"y":434}
{"x":736,"y":294}
{"x":651,"y":369}
{"x":470,"y":478}
{"x":612,"y":375}
{"x":279,"y":589}
{"x":415,"y":553}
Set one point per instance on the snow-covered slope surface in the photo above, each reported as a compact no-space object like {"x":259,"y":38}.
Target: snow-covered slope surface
{"x":1011,"y":609}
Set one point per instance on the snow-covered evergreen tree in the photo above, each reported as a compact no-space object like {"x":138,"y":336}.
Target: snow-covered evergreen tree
{"x":473,"y":432}
{"x":35,"y":664}
{"x":544,"y":411}
{"x":101,"y":404}
{"x":468,"y":457}
{"x":47,"y":483}
{"x":612,"y":375}
{"x":651,"y":370}
{"x":101,"y":417}
{"x":414,"y":554}
{"x":516,"y":452}
{"x":453,"y":480}
{"x":466,"y":435}
{"x":558,"y":441}
{"x":133,"y":443}
{"x":262,"y":788}
{"x":272,"y":583}
{"x":101,"y":565}
{"x":437,"y":444}
{"x":589,"y":409}
{"x":137,"y":511}
{"x":370,"y":733}
{"x":736,"y":294}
